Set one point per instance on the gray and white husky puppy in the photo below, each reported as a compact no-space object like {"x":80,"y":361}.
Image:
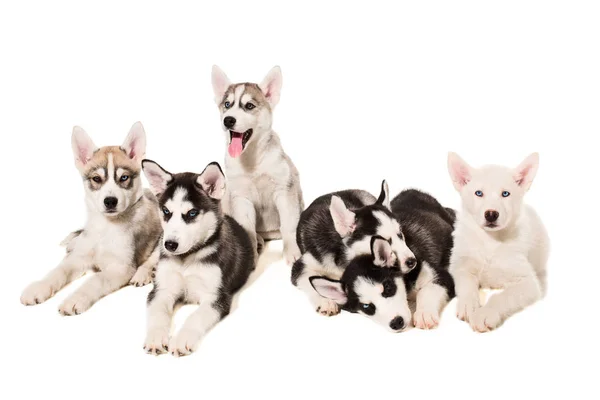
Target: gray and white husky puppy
{"x":120,"y":236}
{"x":374,"y":284}
{"x":337,"y":227}
{"x":206,"y":257}
{"x":264,"y":193}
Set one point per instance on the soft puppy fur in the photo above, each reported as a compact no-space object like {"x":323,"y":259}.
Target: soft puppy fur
{"x":337,"y":227}
{"x":120,"y":236}
{"x":500,"y":243}
{"x":264,"y":193}
{"x":206,"y":257}
{"x":375,"y":286}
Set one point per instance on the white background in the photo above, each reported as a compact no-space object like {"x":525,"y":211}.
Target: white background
{"x":370,"y":91}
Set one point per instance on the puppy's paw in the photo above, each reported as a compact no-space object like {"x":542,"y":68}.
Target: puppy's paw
{"x":75,"y":304}
{"x":465,"y":309}
{"x":291,"y":252}
{"x":485,"y":319}
{"x":328,"y":308}
{"x":36,"y":293}
{"x":425,"y":319}
{"x":157,"y":342}
{"x":142,"y":277}
{"x":184,"y":343}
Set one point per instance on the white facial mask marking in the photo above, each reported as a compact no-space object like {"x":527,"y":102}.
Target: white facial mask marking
{"x":386,"y":308}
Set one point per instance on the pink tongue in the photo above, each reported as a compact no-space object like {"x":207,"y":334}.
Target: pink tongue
{"x":235,"y":147}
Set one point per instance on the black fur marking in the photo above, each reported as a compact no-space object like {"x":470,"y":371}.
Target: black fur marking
{"x":297,"y":270}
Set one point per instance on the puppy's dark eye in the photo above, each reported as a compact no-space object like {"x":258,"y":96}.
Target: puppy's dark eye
{"x":505,"y":194}
{"x":479,"y":193}
{"x":97,"y":179}
{"x":368,"y":309}
{"x":124,"y":178}
{"x":250,"y":106}
{"x":166,"y":211}
{"x":192,"y":213}
{"x":227,"y":104}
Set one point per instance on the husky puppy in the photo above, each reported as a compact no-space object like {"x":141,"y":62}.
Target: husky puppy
{"x":375,"y":286}
{"x":499,"y":242}
{"x":264,"y":186}
{"x":119,"y":239}
{"x":206,"y":257}
{"x":337,"y":227}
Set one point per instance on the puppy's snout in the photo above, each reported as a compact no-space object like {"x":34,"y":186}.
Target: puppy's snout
{"x":410,"y":263}
{"x":111,"y":203}
{"x":171,"y":245}
{"x":229,"y":122}
{"x":491,"y":215}
{"x":397,"y":323}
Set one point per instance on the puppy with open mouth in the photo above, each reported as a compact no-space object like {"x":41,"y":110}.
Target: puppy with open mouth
{"x":264,"y":193}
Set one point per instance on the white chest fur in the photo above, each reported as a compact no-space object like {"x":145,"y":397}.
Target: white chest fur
{"x":195,"y":280}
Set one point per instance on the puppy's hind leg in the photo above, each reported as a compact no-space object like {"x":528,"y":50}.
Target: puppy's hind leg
{"x":305,"y":267}
{"x":209,"y":313}
{"x":242,"y":210}
{"x":289,"y":208}
{"x":71,"y":268}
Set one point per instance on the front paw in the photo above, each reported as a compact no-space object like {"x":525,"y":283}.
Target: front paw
{"x":36,"y":293}
{"x":426,"y":319}
{"x":465,"y":309}
{"x":141,"y":277}
{"x":157,"y":342}
{"x":328,"y":308}
{"x":75,"y":304}
{"x":291,"y":252}
{"x":485,"y":319}
{"x":184,"y":343}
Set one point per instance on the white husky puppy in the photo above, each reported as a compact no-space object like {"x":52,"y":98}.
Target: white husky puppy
{"x":119,"y":240}
{"x":499,"y":242}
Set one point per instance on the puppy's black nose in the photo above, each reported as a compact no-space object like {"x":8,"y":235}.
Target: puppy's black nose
{"x":229,"y":122}
{"x":411,"y":262}
{"x":111,"y":203}
{"x":397,"y":323}
{"x":171,"y":245}
{"x":491,"y":215}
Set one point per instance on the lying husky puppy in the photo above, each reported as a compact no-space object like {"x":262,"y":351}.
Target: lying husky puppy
{"x":374,"y":284}
{"x":206,"y":257}
{"x":337,"y":227}
{"x":499,"y":242}
{"x":119,"y":239}
{"x":264,"y":186}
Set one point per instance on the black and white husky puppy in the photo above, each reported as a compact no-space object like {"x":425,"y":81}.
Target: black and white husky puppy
{"x":206,"y":257}
{"x":374,"y":284}
{"x":337,"y":227}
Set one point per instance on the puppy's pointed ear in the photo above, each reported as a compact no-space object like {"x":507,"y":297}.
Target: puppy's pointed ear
{"x":271,"y":85}
{"x":344,"y":220}
{"x":220,"y":83}
{"x":83,"y":147}
{"x":384,"y":195}
{"x":460,"y":172}
{"x":329,"y":288}
{"x":212,"y":180}
{"x":135,"y":142}
{"x":158,"y":177}
{"x":527,"y":170}
{"x":381,"y":249}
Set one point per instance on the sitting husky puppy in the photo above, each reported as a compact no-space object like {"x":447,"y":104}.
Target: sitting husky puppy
{"x":337,"y":227}
{"x":206,"y":257}
{"x":499,"y":243}
{"x":123,"y":227}
{"x":374,"y":284}
{"x":264,"y":186}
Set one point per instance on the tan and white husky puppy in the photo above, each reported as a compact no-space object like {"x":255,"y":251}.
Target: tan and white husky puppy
{"x":499,"y":242}
{"x":119,"y":240}
{"x":264,"y":193}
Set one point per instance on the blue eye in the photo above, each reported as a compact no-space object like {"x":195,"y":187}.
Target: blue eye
{"x":227,"y":104}
{"x":479,"y":193}
{"x":192,"y":213}
{"x":166,"y":211}
{"x":505,"y":194}
{"x":124,"y":178}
